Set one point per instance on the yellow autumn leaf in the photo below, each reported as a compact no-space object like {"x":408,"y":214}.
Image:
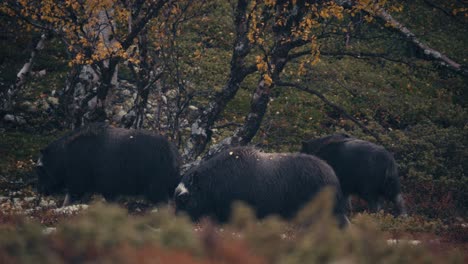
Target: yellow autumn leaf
{"x":267,"y":79}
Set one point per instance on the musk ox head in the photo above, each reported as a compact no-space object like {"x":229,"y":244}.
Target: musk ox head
{"x":314,"y":146}
{"x":189,"y":197}
{"x":49,"y":173}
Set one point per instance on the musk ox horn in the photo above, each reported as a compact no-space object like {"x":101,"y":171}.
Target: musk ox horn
{"x":180,"y":190}
{"x":39,"y":162}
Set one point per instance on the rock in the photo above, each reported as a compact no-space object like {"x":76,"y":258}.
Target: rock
{"x":117,"y":108}
{"x":29,"y":211}
{"x":53,"y":100}
{"x":32,"y":109}
{"x":92,"y":103}
{"x":40,"y":73}
{"x":9,"y":118}
{"x":14,"y":119}
{"x":126,"y":92}
{"x":171,"y":93}
{"x":29,"y":199}
{"x":184,"y":123}
{"x":414,"y":242}
{"x":43,"y":105}
{"x":47,"y":203}
{"x":71,"y":209}
{"x":403,"y":241}
{"x":49,"y":230}
{"x":117,"y":117}
{"x":128,"y":104}
{"x":26,"y":104}
{"x":29,"y":106}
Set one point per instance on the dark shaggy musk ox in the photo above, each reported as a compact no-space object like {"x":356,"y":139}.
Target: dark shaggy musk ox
{"x":364,"y":169}
{"x":272,"y":183}
{"x":110,"y":161}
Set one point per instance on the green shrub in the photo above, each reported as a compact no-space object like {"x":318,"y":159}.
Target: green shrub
{"x":108,"y":234}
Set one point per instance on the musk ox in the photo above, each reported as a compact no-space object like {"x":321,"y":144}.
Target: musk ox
{"x":110,"y":161}
{"x":364,"y":169}
{"x":271,"y":183}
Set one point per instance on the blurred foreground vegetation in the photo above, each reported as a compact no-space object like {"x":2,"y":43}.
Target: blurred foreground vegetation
{"x":109,"y":234}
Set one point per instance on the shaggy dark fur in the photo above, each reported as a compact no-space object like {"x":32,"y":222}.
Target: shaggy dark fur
{"x":364,"y":169}
{"x":110,"y":161}
{"x":276,"y":183}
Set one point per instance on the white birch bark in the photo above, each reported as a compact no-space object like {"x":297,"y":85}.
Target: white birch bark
{"x":26,"y":70}
{"x":22,"y":75}
{"x":434,"y":54}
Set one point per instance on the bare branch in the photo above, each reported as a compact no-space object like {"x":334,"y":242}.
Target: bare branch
{"x":228,"y":125}
{"x":329,"y":103}
{"x":365,"y":55}
{"x":431,"y":53}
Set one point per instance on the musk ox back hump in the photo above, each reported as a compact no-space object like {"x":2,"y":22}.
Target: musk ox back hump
{"x":272,"y":183}
{"x":112,"y":161}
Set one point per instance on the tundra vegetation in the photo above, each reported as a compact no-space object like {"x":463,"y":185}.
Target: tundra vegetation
{"x":215,"y":74}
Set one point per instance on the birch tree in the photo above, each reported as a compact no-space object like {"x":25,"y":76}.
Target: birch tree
{"x":96,"y":41}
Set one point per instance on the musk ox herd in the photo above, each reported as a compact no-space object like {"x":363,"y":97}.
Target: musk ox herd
{"x":116,"y":161}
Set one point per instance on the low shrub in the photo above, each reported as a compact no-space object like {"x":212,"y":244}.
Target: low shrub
{"x":108,"y":234}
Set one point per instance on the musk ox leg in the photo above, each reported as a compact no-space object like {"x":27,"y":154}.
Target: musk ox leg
{"x":70,"y":199}
{"x":343,"y":221}
{"x":110,"y":198}
{"x":400,"y":203}
{"x":66,"y":201}
{"x":155,"y":194}
{"x":349,"y":204}
{"x":38,"y":200}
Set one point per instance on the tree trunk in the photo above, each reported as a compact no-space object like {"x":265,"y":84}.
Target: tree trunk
{"x":258,"y":104}
{"x":92,"y":107}
{"x":201,"y":128}
{"x":10,"y":94}
{"x":97,"y":112}
{"x":67,"y":97}
{"x":81,"y":85}
{"x":143,"y":76}
{"x":83,"y":99}
{"x":261,"y":97}
{"x":278,"y":58}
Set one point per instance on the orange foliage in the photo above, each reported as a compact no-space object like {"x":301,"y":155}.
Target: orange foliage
{"x":93,"y":30}
{"x":301,"y":22}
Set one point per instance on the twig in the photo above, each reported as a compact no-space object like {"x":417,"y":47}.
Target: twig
{"x":334,"y":106}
